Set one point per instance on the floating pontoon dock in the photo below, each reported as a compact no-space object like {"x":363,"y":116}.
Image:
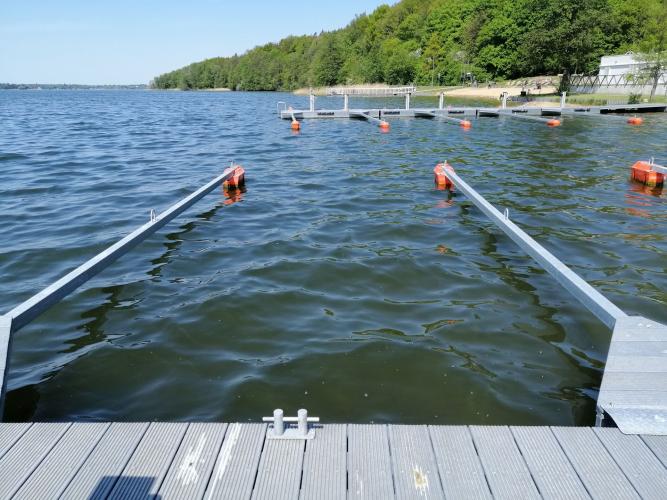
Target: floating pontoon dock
{"x":282,"y":461}
{"x":442,"y":111}
{"x":137,"y":461}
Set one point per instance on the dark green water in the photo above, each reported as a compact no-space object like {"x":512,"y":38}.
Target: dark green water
{"x":340,"y":280}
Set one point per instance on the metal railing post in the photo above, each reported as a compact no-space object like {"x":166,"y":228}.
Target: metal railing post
{"x":407,"y":101}
{"x":441,"y":103}
{"x":562,"y":99}
{"x":346,"y":102}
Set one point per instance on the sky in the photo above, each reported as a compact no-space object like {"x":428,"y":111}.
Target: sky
{"x":127,"y":42}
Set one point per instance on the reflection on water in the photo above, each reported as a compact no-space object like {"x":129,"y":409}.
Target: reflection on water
{"x":340,"y":281}
{"x":234,"y":195}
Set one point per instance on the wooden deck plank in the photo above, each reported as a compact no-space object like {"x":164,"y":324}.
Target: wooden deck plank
{"x":9,"y":434}
{"x":551,"y":470}
{"x":633,"y":391}
{"x":55,"y":472}
{"x":144,"y":473}
{"x":658,"y":445}
{"x":369,"y":462}
{"x":413,"y":462}
{"x":236,"y":465}
{"x":506,"y":471}
{"x":193,"y":464}
{"x":596,"y":468}
{"x":91,"y":460}
{"x":637,"y":461}
{"x":99,"y":472}
{"x":637,"y":381}
{"x":325,"y":464}
{"x":279,"y":473}
{"x":26,"y":454}
{"x":460,"y":469}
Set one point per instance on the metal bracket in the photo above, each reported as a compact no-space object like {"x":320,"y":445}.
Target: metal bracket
{"x":5,"y":349}
{"x":281,"y":431}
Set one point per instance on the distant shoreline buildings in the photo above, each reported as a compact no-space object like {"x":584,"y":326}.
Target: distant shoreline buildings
{"x":620,"y":74}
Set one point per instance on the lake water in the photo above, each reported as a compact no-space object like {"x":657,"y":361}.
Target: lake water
{"x":340,"y":280}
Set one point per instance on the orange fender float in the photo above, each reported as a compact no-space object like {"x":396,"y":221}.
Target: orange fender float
{"x":237,"y":180}
{"x":642,"y":171}
{"x":635,"y":120}
{"x":296,"y":126}
{"x":465,"y":124}
{"x":384,"y":126}
{"x":441,"y":179}
{"x":553,"y":123}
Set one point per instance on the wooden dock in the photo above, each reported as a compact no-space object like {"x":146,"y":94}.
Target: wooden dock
{"x":204,"y":460}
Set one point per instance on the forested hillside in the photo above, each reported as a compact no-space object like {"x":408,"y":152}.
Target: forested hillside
{"x":438,"y":41}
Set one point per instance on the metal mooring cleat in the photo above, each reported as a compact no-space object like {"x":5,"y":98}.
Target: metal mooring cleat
{"x":281,"y":431}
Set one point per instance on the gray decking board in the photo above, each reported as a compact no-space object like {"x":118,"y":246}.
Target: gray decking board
{"x":325,"y":464}
{"x":56,"y":470}
{"x":279,"y":473}
{"x":105,"y":464}
{"x":633,"y":381}
{"x":637,"y":461}
{"x":505,"y":468}
{"x":413,"y":460}
{"x":460,"y":469}
{"x":596,"y":468}
{"x":193,"y":464}
{"x":144,"y":473}
{"x":551,"y":470}
{"x":10,"y":434}
{"x":236,"y":464}
{"x":658,"y":445}
{"x":158,"y":460}
{"x":633,"y":389}
{"x":22,"y":459}
{"x":369,"y":462}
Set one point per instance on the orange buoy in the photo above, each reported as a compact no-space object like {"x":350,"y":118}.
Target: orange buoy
{"x":441,"y":179}
{"x":384,"y":125}
{"x":296,"y":125}
{"x":553,"y":123}
{"x":635,"y":120}
{"x":466,"y":124}
{"x":237,"y":180}
{"x":642,"y":171}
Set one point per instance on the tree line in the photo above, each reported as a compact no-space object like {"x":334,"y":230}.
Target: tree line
{"x":442,"y":42}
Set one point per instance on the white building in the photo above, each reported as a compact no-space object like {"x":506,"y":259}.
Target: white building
{"x":627,"y":64}
{"x":619,"y":74}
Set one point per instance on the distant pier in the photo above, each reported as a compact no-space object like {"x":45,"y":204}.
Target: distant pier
{"x":443,"y":111}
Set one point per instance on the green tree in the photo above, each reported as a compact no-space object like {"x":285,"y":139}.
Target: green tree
{"x":654,"y":46}
{"x":328,"y":61}
{"x":438,"y":40}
